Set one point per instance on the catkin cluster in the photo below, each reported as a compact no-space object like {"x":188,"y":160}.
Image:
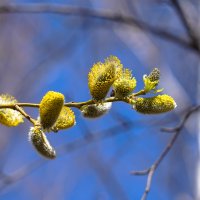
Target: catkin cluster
{"x":108,"y":82}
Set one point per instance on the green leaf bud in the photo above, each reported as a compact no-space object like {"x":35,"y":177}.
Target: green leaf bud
{"x":151,"y":81}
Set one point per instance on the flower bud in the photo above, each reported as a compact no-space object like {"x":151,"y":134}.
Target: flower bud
{"x":154,"y":75}
{"x":9,"y":117}
{"x":151,"y":81}
{"x":40,"y":142}
{"x":50,"y":108}
{"x":65,"y":120}
{"x":94,"y":110}
{"x":155,"y":105}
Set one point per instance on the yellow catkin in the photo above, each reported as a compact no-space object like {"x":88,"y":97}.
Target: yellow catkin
{"x":155,"y":105}
{"x":100,"y":79}
{"x":9,"y":117}
{"x":125,"y":84}
{"x":65,"y":120}
{"x":117,"y":63}
{"x":95,"y":110}
{"x":102,"y":76}
{"x":50,"y":108}
{"x":40,"y":142}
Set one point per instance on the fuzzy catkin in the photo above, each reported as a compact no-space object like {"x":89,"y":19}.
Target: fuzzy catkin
{"x":155,"y":105}
{"x":124,"y":85}
{"x":40,"y":142}
{"x":50,"y":108}
{"x":100,"y":79}
{"x":102,"y":76}
{"x":9,"y":117}
{"x":94,"y":110}
{"x":65,"y":120}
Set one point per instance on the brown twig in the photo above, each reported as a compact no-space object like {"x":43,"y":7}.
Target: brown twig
{"x":182,"y":123}
{"x":86,"y":12}
{"x":28,"y":117}
{"x":151,"y":170}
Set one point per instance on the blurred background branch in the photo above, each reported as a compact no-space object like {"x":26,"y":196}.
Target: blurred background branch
{"x":104,"y":15}
{"x":151,"y":170}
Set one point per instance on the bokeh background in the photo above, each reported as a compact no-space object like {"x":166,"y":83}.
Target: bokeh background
{"x":44,"y":51}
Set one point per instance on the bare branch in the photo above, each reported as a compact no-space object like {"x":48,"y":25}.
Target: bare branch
{"x":104,"y":15}
{"x":182,"y":123}
{"x":151,"y":170}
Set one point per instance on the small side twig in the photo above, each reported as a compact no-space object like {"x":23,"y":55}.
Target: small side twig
{"x":28,"y":117}
{"x":151,"y":170}
{"x":182,"y":123}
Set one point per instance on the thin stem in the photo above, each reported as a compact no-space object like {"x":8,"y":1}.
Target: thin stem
{"x":89,"y":102}
{"x":20,"y":105}
{"x":28,"y":117}
{"x":141,"y":92}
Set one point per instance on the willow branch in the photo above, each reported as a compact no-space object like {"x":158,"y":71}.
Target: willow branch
{"x":69,"y":104}
{"x":151,"y":170}
{"x":86,"y":12}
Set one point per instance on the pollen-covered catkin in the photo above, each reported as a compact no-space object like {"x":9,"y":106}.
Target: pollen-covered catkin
{"x":94,"y":110}
{"x":50,"y":108}
{"x":40,"y":142}
{"x":115,"y":61}
{"x":102,"y":76}
{"x":125,"y":84}
{"x":65,"y":120}
{"x":100,"y":79}
{"x":155,"y":105}
{"x":9,"y":117}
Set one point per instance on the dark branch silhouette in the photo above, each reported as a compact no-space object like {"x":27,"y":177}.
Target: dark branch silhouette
{"x":100,"y":14}
{"x":183,"y":18}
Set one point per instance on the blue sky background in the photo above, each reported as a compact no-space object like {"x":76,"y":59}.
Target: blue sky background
{"x":42,"y":52}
